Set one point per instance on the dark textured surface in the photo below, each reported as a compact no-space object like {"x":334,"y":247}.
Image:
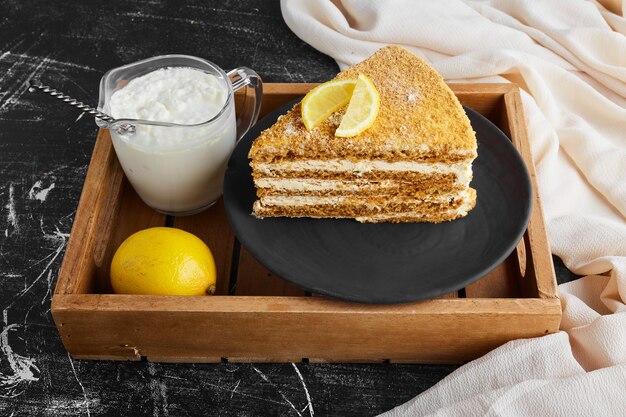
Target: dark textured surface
{"x":386,"y":262}
{"x":44,"y":153}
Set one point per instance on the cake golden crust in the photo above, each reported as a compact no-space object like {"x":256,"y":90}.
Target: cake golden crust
{"x":419,"y":116}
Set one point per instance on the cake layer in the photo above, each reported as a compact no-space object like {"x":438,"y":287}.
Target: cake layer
{"x":385,"y":203}
{"x":415,"y":218}
{"x":414,"y":177}
{"x":359,"y":187}
{"x":459,"y":173}
{"x":420,"y":154}
{"x":371,"y":209}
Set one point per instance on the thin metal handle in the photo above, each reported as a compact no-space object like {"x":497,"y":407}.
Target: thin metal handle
{"x":122,"y":129}
{"x":71,"y":101}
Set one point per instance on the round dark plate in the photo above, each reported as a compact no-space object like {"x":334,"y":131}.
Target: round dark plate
{"x":384,"y":262}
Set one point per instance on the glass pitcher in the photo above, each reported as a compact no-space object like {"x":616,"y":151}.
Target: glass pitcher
{"x":178,"y":169}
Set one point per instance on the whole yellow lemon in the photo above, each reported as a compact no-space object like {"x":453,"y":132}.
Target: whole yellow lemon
{"x":163,"y":261}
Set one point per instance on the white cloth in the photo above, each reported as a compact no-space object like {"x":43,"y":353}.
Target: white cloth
{"x":571,"y":55}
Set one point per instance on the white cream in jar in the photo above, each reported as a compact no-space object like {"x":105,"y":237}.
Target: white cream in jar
{"x":176,"y":169}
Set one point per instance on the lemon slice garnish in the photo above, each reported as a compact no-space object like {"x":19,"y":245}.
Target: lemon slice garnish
{"x":362,"y":109}
{"x":324,"y":100}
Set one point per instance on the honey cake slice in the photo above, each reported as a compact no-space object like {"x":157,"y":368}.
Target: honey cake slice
{"x":413,"y":164}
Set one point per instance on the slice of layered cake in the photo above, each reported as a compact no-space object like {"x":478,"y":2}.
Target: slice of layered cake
{"x":413,"y":164}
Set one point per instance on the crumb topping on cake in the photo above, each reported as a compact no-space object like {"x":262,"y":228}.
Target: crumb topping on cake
{"x":419,"y":114}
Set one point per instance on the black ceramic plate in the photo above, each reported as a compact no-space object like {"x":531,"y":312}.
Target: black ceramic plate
{"x":384,"y":262}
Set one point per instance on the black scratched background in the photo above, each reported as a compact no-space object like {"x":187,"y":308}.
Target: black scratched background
{"x":45,"y":148}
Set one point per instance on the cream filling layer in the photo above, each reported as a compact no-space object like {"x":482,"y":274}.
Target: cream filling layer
{"x":309,"y":184}
{"x":462,"y":170}
{"x":294,"y":201}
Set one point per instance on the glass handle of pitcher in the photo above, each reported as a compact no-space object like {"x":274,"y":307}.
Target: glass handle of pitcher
{"x":247,"y":103}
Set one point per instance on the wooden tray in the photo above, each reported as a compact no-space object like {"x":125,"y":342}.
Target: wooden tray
{"x":256,"y":316}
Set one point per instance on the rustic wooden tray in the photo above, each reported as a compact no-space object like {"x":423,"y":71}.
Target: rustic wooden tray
{"x":256,"y":316}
